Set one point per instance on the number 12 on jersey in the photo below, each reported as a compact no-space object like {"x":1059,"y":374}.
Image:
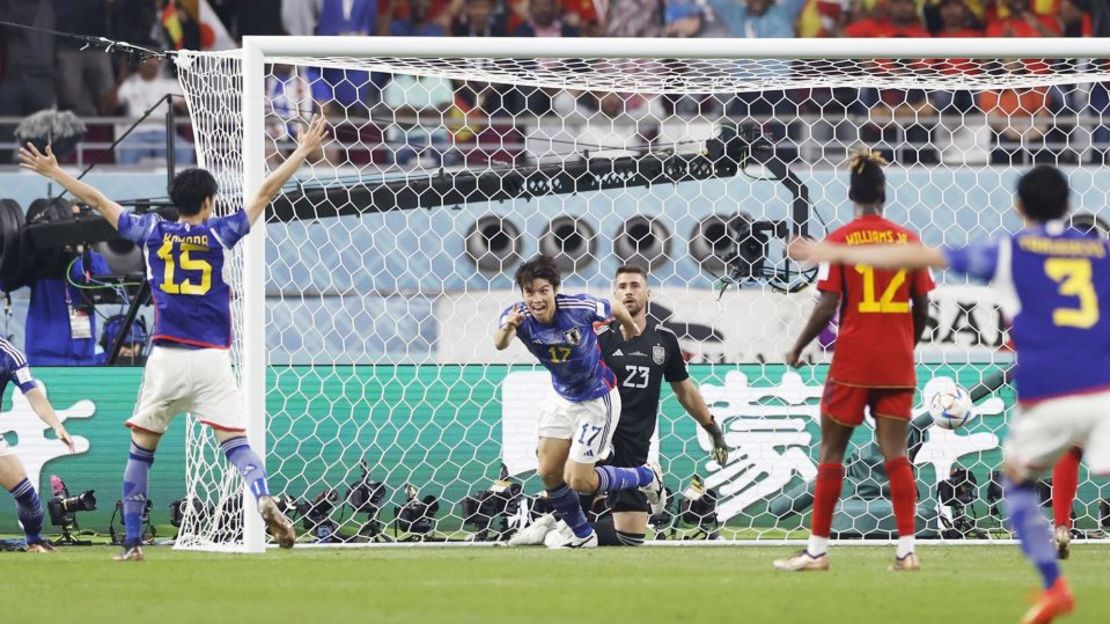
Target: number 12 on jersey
{"x":886,"y":303}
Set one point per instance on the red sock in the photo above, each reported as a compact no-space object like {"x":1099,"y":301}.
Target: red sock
{"x":829,"y":479}
{"x":903,"y":494}
{"x":1065,"y":482}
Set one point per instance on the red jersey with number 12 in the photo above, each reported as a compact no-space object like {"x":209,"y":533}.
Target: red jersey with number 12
{"x":874,"y":346}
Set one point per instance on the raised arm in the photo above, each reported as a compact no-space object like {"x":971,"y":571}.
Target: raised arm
{"x":505,"y":334}
{"x":908,"y":256}
{"x":39,"y":403}
{"x":628,"y":325}
{"x":46,"y":165}
{"x":308,"y":142}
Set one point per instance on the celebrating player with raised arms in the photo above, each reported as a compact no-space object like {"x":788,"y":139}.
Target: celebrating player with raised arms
{"x":189,"y":369}
{"x":13,"y":477}
{"x":1055,"y":287}
{"x":579,"y":417}
{"x":882,"y":316}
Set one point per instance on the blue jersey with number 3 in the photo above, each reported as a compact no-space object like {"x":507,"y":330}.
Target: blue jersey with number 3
{"x":1055,"y":288}
{"x":192,"y":303}
{"x":568,"y":347}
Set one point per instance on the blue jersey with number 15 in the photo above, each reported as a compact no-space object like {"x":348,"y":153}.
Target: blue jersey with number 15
{"x":185,"y":263}
{"x":1055,"y":287}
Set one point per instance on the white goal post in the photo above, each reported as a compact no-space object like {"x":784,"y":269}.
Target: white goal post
{"x":231,"y":98}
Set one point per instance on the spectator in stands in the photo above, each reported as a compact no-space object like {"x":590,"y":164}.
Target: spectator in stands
{"x":634,"y":18}
{"x":956,"y":20}
{"x":341,"y":93}
{"x":901,"y":20}
{"x":1015,"y":18}
{"x":419,"y":104}
{"x":136,"y":95}
{"x":545,"y":19}
{"x":1020,"y":119}
{"x":1074,"y":18}
{"x":131,"y":351}
{"x":418,"y":21}
{"x":290,"y":100}
{"x":481,"y":18}
{"x":84,"y":77}
{"x":757,"y":19}
{"x":583,"y":15}
{"x":27,"y":85}
{"x":611,"y":124}
{"x":132,"y":20}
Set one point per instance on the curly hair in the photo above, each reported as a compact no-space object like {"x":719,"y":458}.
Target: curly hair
{"x":867,"y":182}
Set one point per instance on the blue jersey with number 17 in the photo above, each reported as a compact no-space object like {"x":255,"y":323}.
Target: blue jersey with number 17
{"x":1055,"y":287}
{"x":568,"y":347}
{"x":192,"y":303}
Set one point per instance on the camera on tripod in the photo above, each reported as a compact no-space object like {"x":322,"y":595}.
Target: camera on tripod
{"x":367,"y":496}
{"x":959,"y":492}
{"x":63,"y":510}
{"x":494,"y":505}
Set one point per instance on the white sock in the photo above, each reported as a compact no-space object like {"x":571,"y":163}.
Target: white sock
{"x":905,"y":546}
{"x":817,"y":545}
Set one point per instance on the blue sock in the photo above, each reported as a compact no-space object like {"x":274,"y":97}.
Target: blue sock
{"x":136,"y":477}
{"x":611,"y":478}
{"x":30,"y":510}
{"x":1023,"y":513}
{"x":238,"y":452}
{"x":566,"y":503}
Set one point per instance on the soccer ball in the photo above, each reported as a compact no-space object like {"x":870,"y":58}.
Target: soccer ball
{"x":950,"y":407}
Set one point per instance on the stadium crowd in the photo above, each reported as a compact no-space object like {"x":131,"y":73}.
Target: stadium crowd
{"x":40,"y":70}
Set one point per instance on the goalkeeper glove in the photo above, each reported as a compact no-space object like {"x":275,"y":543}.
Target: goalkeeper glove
{"x":720,"y":449}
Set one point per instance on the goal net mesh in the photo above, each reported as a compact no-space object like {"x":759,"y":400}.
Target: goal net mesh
{"x":390,"y":416}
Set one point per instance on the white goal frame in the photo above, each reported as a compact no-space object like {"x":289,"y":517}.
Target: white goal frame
{"x":256,"y":52}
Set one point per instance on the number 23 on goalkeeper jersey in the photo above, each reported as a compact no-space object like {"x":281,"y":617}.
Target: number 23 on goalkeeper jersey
{"x":568,"y":347}
{"x":192,"y":302}
{"x":1054,"y":286}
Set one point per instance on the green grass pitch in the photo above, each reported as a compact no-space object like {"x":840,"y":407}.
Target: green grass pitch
{"x":978,"y":584}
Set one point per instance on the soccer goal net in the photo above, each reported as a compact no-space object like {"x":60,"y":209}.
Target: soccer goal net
{"x":365,"y":305}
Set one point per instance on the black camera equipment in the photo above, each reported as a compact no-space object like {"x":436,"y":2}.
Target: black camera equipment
{"x":119,"y":535}
{"x":959,"y":492}
{"x":367,"y":496}
{"x":498,"y":503}
{"x":417,"y":516}
{"x":179,"y":507}
{"x":316,"y":516}
{"x":698,"y":508}
{"x":63,"y":510}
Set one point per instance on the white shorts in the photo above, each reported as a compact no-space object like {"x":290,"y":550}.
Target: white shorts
{"x":589,"y":425}
{"x":197,"y":381}
{"x":1043,"y":432}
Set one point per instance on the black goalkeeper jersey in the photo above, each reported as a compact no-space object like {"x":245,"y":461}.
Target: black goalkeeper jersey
{"x":641,"y":366}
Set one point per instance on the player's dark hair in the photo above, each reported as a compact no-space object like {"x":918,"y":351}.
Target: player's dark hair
{"x":1043,"y":191}
{"x":540,"y":267}
{"x":631,"y":268}
{"x":190,"y":188}
{"x":867,"y":182}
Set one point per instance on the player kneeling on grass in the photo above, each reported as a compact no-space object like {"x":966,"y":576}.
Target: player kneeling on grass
{"x":13,"y":368}
{"x":189,"y":369}
{"x":578,"y":419}
{"x":1055,"y":287}
{"x":882,"y":316}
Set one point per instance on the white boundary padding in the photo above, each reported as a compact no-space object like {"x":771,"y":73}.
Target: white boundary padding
{"x":253,"y":346}
{"x":621,"y":47}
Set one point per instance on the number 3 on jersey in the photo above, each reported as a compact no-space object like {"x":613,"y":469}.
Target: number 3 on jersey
{"x":885,"y":304}
{"x":186,"y":287}
{"x":1074,"y":277}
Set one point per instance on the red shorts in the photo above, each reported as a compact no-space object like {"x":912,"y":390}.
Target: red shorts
{"x":845,"y":404}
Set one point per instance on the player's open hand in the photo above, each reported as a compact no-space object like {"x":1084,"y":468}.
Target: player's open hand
{"x":314,"y":135}
{"x":514,"y":318}
{"x":43,"y":164}
{"x":63,"y":435}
